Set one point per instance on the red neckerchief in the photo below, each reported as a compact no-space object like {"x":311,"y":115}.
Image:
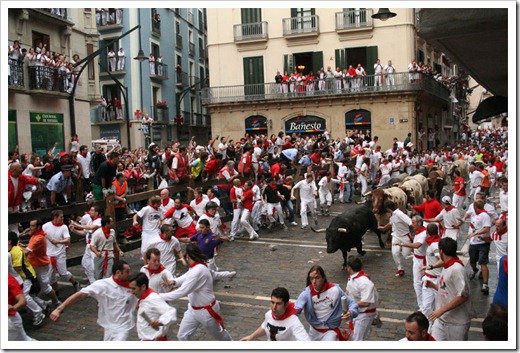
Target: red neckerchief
{"x":145,"y":295}
{"x":480,"y":211}
{"x":106,"y":232}
{"x":165,"y":201}
{"x":110,"y":163}
{"x":197,"y":263}
{"x":198,"y":200}
{"x":360,"y":273}
{"x":155,"y":272}
{"x":93,"y":219}
{"x":39,"y":232}
{"x":420,"y":230}
{"x":433,"y":239}
{"x":291,"y":310}
{"x":451,"y":262}
{"x":505,"y":265}
{"x":50,"y":167}
{"x":84,"y":155}
{"x":272,"y":186}
{"x":503,"y":232}
{"x":154,"y":207}
{"x":207,"y":214}
{"x":326,"y":287}
{"x":125,"y":284}
{"x":57,"y":224}
{"x":164,"y":238}
{"x":449,"y":208}
{"x":328,"y":179}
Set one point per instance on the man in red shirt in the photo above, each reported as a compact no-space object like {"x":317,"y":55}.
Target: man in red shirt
{"x":16,"y":187}
{"x":431,"y":207}
{"x":36,"y":252}
{"x":459,"y":190}
{"x":213,"y":166}
{"x":247,"y":202}
{"x":16,"y":301}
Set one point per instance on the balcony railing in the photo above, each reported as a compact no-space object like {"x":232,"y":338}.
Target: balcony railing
{"x":159,"y":70}
{"x":109,"y":17}
{"x":250,"y":31}
{"x":192,"y":48}
{"x":331,"y":87}
{"x":202,"y":54}
{"x":108,"y":113}
{"x":16,"y":76}
{"x":49,"y":79}
{"x":190,"y":17}
{"x":197,"y":119}
{"x":156,"y":26}
{"x":300,"y":25}
{"x":183,"y":79}
{"x":57,"y":12}
{"x":178,"y":41}
{"x":354,"y":19}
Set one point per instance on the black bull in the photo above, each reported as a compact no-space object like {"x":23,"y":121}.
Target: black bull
{"x":345,"y":231}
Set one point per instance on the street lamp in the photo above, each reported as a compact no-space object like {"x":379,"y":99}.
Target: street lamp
{"x":140,"y":56}
{"x":384,"y":14}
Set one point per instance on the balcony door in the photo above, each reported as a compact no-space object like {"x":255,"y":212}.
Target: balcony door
{"x":356,"y":17}
{"x":251,"y":21}
{"x":302,"y":20}
{"x":254,"y":76}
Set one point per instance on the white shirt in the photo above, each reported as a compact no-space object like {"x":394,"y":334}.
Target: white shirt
{"x":200,"y":208}
{"x":214,"y":222}
{"x":289,"y":329}
{"x":450,"y":218}
{"x":182,"y":217}
{"x":169,"y":205}
{"x":155,"y":308}
{"x":432,"y":256}
{"x":151,"y":222}
{"x":500,"y":243}
{"x":101,"y":243}
{"x":86,"y":220}
{"x":476,"y":178}
{"x":168,"y":250}
{"x":362,"y":289}
{"x":306,"y":189}
{"x":85,"y":164}
{"x":57,"y":233}
{"x":116,"y":304}
{"x":197,"y":284}
{"x":420,"y":238}
{"x":158,"y":281}
{"x":400,"y":224}
{"x":503,"y":200}
{"x":481,"y":221}
{"x":222,"y":149}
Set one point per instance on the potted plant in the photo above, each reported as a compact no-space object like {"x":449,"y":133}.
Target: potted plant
{"x":161,"y":105}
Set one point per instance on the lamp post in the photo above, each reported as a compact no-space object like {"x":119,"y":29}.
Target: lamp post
{"x":384,"y":14}
{"x":141,"y":57}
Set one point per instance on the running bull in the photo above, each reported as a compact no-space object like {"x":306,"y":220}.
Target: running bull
{"x":346,"y":230}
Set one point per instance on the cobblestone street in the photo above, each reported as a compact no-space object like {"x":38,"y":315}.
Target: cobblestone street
{"x":277,"y":258}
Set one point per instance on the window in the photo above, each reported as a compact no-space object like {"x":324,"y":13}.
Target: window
{"x":103,"y":57}
{"x":254,"y":75}
{"x":357,"y":17}
{"x":46,"y":130}
{"x":41,"y":40}
{"x":91,"y":70}
{"x":12,"y":133}
{"x":303,"y":18}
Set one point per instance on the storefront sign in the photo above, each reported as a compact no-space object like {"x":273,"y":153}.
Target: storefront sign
{"x":304,"y":124}
{"x":256,"y":123}
{"x":358,"y":117}
{"x":111,"y":130}
{"x":46,"y":118}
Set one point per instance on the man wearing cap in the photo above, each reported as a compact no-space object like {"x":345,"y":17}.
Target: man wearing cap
{"x":451,"y":219}
{"x":59,"y":185}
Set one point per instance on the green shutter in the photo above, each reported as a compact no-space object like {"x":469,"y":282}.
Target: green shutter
{"x":371,"y":60}
{"x":317,"y":61}
{"x":254,"y":74}
{"x":285,"y":64}
{"x":294,"y":12}
{"x":251,"y":15}
{"x":340,"y":59}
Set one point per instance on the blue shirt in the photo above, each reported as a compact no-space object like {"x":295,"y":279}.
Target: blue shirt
{"x":290,"y":153}
{"x":58,"y":183}
{"x":305,"y":161}
{"x":207,"y":243}
{"x":501,"y":292}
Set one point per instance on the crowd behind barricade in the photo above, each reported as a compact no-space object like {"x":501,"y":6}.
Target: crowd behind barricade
{"x":252,"y":186}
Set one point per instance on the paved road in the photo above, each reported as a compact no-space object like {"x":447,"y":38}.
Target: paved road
{"x":277,"y":258}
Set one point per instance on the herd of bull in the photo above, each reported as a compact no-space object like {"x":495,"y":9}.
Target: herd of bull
{"x":345,"y":231}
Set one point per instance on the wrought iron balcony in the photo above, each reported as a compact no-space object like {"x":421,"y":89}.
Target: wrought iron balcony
{"x":183,"y":78}
{"x":113,"y":18}
{"x":402,"y":81}
{"x":192,"y":48}
{"x":51,"y":79}
{"x":16,"y":75}
{"x":360,"y":18}
{"x":178,"y":41}
{"x":57,"y":12}
{"x":202,"y":54}
{"x":160,"y":71}
{"x":301,"y":25}
{"x":110,"y":113}
{"x":250,"y":31}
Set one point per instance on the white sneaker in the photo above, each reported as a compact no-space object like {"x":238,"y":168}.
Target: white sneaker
{"x":252,"y":236}
{"x":256,"y":235}
{"x":232,"y":274}
{"x":293,"y":223}
{"x":38,"y":319}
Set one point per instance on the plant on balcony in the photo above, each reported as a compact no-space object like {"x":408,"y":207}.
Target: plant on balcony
{"x":161,"y":105}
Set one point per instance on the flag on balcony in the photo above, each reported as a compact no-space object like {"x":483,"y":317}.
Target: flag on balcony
{"x":179,"y":120}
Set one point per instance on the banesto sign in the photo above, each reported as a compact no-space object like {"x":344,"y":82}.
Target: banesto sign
{"x":315,"y":126}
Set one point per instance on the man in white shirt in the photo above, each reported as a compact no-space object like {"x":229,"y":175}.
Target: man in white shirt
{"x":222,"y":147}
{"x":281,"y":322}
{"x":378,"y":71}
{"x":450,"y":218}
{"x":158,"y":276}
{"x":151,"y":217}
{"x":103,"y":245}
{"x":58,"y":238}
{"x":499,"y":238}
{"x":325,"y":194}
{"x":84,"y":158}
{"x":390,"y":69}
{"x":154,"y":315}
{"x":400,"y":224}
{"x":475,"y":180}
{"x":116,"y":304}
{"x":203,"y":307}
{"x":308,"y":192}
{"x":170,"y":248}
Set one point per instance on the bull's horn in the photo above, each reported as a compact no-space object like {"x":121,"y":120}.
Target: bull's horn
{"x":368,"y":194}
{"x":342,"y":230}
{"x":395,"y":184}
{"x":320,"y":230}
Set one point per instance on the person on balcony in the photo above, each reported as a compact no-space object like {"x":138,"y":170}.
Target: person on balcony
{"x":378,"y":71}
{"x":14,"y":53}
{"x":159,"y":65}
{"x":353,"y":80}
{"x":119,"y":16}
{"x":360,"y":73}
{"x":413,"y":69}
{"x":278,"y":79}
{"x":120,"y":59}
{"x":338,"y":75}
{"x":112,"y":60}
{"x":346,"y":80}
{"x":151,"y":59}
{"x":390,"y":70}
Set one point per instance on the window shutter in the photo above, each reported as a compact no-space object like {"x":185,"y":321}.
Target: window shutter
{"x":317,"y":61}
{"x":371,"y":60}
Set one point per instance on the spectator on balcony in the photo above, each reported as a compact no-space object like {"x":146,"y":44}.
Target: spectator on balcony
{"x":390,"y":70}
{"x":159,"y":65}
{"x":279,"y":80}
{"x":378,"y":71}
{"x":329,"y":79}
{"x":151,"y":59}
{"x":119,"y":16}
{"x":413,"y":69}
{"x":310,"y":83}
{"x":321,"y":83}
{"x":338,"y":75}
{"x":346,"y":80}
{"x":353,"y":80}
{"x":14,"y":53}
{"x":360,"y":73}
{"x":119,"y":108}
{"x":292,"y":83}
{"x":112,"y":60}
{"x":120,"y":59}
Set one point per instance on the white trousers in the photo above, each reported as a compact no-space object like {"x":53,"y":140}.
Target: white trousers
{"x":16,"y":331}
{"x":458,"y":201}
{"x":325,"y":197}
{"x":235,"y":224}
{"x":31,"y":304}
{"x":245,"y":222}
{"x":397,"y":251}
{"x":428,"y":296}
{"x":116,"y":335}
{"x":275,"y":207}
{"x":256,"y":214}
{"x":362,"y":326}
{"x":450,"y":332}
{"x":194,"y":318}
{"x":306,"y":205}
{"x":87,"y":262}
{"x":417,"y":281}
{"x":451,"y":233}
{"x":42,"y":274}
{"x":322,"y":336}
{"x":61,"y":269}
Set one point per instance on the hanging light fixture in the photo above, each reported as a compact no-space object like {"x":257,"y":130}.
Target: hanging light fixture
{"x":140,"y":56}
{"x":384,"y":14}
